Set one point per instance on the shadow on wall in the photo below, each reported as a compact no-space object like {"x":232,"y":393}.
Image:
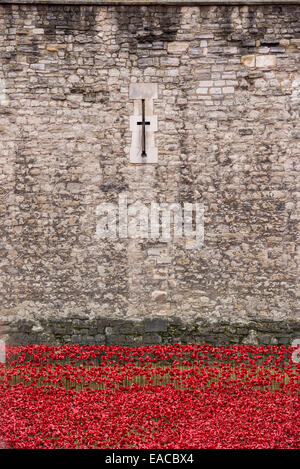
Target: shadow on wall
{"x":146,"y":25}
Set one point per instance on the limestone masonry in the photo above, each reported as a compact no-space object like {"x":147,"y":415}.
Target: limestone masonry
{"x":228,"y":130}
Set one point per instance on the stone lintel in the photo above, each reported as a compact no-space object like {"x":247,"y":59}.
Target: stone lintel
{"x":143,"y":91}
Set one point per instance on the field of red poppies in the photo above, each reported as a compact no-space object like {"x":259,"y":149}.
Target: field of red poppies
{"x":177,"y":396}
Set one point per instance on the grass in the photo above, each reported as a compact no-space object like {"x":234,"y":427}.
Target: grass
{"x":146,"y":376}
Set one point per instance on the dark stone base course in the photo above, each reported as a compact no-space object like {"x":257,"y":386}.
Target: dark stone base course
{"x":105,"y":331}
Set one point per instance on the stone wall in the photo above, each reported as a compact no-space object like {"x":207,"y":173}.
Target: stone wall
{"x":228,"y":137}
{"x":81,"y":329}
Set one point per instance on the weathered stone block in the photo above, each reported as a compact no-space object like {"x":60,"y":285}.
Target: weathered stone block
{"x":266,"y":61}
{"x":251,"y":339}
{"x":169,"y":61}
{"x":100,"y":339}
{"x":202,"y":90}
{"x":177,"y":48}
{"x":149,"y":339}
{"x":248,"y":60}
{"x":155,"y":325}
{"x":284,"y":340}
